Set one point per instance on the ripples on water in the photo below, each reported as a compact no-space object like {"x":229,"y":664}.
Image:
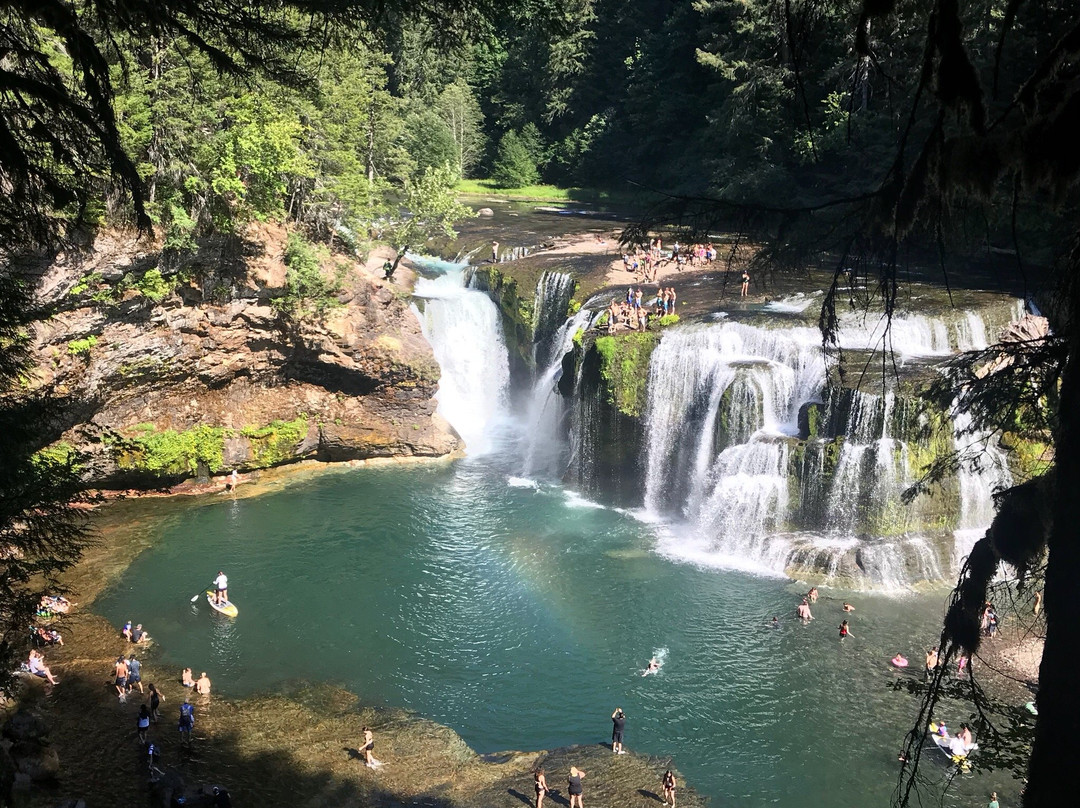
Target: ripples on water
{"x":522,"y":615}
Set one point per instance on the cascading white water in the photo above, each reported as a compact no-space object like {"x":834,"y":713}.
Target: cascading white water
{"x":872,"y":469}
{"x":740,"y":492}
{"x":550,"y":304}
{"x":983,"y":471}
{"x":545,"y":440}
{"x":723,"y":405}
{"x":464,"y":329}
{"x":918,"y":335}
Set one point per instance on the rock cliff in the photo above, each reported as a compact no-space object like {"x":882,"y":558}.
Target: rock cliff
{"x":163,"y":367}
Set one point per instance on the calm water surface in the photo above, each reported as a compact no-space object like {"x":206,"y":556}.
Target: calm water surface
{"x":523,"y":617}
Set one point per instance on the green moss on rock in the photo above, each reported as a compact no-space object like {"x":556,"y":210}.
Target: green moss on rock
{"x":276,"y":442}
{"x":170,"y":453}
{"x":624,"y":367}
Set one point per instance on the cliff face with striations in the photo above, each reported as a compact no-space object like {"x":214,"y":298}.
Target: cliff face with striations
{"x":167,"y":369}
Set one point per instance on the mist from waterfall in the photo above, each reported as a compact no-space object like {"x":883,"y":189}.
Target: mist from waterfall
{"x":464,"y":328}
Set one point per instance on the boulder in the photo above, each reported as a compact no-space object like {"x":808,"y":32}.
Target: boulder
{"x":26,"y":726}
{"x":39,"y":762}
{"x":485,"y":212}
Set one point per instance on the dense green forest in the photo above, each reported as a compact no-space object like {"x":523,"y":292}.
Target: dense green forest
{"x":747,"y":102}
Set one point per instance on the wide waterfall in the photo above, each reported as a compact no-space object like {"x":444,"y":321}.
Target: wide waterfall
{"x":725,"y":462}
{"x":464,"y":329}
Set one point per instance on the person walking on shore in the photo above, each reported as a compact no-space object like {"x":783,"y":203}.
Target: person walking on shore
{"x":368,"y":748}
{"x":573,"y":785}
{"x":618,"y":719}
{"x":134,"y":676}
{"x":540,"y":786}
{"x":120,"y":670}
{"x":155,"y":702}
{"x":669,"y":788}
{"x":143,"y":722}
{"x":931,"y":662}
{"x":187,"y":721}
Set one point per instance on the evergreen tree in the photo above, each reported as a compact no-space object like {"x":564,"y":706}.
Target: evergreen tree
{"x":515,"y":165}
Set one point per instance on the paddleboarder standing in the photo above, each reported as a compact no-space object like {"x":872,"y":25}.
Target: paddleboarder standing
{"x":221,"y":584}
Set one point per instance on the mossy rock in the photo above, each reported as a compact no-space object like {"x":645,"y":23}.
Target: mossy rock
{"x":624,"y":367}
{"x":170,"y":454}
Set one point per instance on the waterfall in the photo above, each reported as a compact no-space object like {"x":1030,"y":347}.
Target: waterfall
{"x":983,"y":470}
{"x":919,"y":335}
{"x":464,"y":329}
{"x":716,"y":383}
{"x":872,"y":471}
{"x":550,"y":304}
{"x":545,"y":436}
{"x":721,"y":421}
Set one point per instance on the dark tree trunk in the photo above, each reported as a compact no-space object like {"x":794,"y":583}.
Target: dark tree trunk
{"x":1056,"y":749}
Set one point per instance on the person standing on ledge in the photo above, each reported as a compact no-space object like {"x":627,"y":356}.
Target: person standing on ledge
{"x":669,"y":788}
{"x":221,"y":584}
{"x":618,"y":719}
{"x":540,"y":786}
{"x":745,"y":284}
{"x":494,"y":252}
{"x":573,"y":785}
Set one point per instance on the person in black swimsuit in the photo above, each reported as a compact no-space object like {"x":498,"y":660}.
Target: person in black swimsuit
{"x":365,"y":750}
{"x":618,"y":720}
{"x":540,"y":785}
{"x":573,"y":783}
{"x":669,"y":788}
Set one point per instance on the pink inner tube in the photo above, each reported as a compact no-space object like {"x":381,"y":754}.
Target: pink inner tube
{"x":899,"y":662}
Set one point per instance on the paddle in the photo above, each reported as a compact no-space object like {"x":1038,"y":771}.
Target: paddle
{"x":197,"y":597}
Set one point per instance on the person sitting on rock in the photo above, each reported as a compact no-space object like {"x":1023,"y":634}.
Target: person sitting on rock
{"x":37,"y":666}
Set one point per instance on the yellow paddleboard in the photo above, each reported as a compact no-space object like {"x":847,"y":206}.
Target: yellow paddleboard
{"x":227,"y":608}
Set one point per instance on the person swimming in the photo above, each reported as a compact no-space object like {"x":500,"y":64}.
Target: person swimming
{"x":900,"y":661}
{"x":654,"y":666}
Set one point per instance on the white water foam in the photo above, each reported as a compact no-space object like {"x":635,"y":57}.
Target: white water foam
{"x":464,"y":329}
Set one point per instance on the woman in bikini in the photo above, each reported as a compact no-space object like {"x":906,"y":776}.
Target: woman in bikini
{"x":540,"y":785}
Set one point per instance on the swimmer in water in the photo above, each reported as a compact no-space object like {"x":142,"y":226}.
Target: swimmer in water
{"x":899,"y":660}
{"x":848,"y":607}
{"x":654,"y":666}
{"x":775,"y":622}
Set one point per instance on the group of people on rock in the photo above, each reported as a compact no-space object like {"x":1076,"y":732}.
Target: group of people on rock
{"x":647,"y":260}
{"x":632,"y":311}
{"x":574,"y":787}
